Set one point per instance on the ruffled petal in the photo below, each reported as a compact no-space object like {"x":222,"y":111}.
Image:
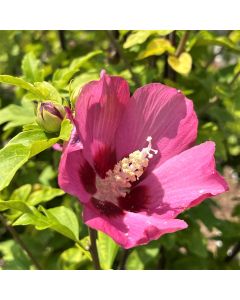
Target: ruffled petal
{"x":99,"y":110}
{"x":131,"y":229}
{"x":161,"y":112}
{"x":75,"y":175}
{"x":184,"y":181}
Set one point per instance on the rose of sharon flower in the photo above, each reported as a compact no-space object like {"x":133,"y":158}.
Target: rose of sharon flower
{"x":131,"y":160}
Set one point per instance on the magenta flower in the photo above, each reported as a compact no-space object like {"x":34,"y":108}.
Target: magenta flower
{"x":131,"y":163}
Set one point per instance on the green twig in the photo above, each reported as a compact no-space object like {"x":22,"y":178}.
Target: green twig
{"x":17,"y":238}
{"x":182,"y":43}
{"x":123,"y":259}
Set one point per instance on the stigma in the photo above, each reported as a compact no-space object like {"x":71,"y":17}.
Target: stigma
{"x":118,"y":181}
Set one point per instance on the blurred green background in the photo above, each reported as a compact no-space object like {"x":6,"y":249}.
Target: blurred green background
{"x":204,"y":65}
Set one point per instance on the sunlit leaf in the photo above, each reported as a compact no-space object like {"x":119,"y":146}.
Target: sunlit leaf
{"x":140,"y":36}
{"x":12,"y":157}
{"x":63,"y":220}
{"x":156,"y":47}
{"x":181,"y":64}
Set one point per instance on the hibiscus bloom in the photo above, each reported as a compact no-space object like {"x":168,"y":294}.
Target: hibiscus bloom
{"x":131,"y":160}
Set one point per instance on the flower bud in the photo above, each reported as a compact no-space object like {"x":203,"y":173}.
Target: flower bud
{"x":49,"y":116}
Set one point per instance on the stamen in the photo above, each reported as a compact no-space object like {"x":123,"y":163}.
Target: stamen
{"x":118,"y":181}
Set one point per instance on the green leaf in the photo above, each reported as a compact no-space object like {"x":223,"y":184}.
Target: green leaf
{"x":45,"y":194}
{"x":25,"y":145}
{"x":38,"y":140}
{"x":12,"y":157}
{"x":140,"y":36}
{"x":208,"y":38}
{"x":20,"y":83}
{"x":31,"y":68}
{"x":181,"y":64}
{"x":35,"y":218}
{"x":22,"y":193}
{"x":156,"y":47}
{"x":24,"y":115}
{"x":72,"y":259}
{"x":16,"y":205}
{"x":62,"y":76}
{"x":39,"y":91}
{"x":134,"y":261}
{"x":47,"y":92}
{"x":60,"y":219}
{"x":13,"y":256}
{"x":107,"y":250}
{"x":63,"y":220}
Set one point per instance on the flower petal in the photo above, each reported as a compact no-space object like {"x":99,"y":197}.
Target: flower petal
{"x":161,"y":112}
{"x":131,"y":229}
{"x":99,"y":110}
{"x":75,"y":175}
{"x":184,"y":181}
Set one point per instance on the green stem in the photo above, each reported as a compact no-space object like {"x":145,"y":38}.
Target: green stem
{"x":123,"y":259}
{"x":93,"y":248}
{"x":182,"y":43}
{"x":17,"y":238}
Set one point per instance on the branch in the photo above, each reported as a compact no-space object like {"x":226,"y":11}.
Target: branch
{"x":123,"y":259}
{"x":93,"y":248}
{"x":17,"y":238}
{"x":182,"y":43}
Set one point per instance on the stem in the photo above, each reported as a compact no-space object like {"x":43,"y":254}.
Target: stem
{"x":93,"y":248}
{"x":123,"y":259}
{"x":182,"y":43}
{"x":17,"y":238}
{"x":168,"y":71}
{"x":62,"y":39}
{"x":235,"y":77}
{"x":162,"y":259}
{"x":122,"y":55}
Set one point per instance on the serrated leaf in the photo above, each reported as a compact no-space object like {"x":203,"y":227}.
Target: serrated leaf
{"x":12,"y":157}
{"x":181,"y":64}
{"x":107,"y":250}
{"x":31,"y":68}
{"x":156,"y":47}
